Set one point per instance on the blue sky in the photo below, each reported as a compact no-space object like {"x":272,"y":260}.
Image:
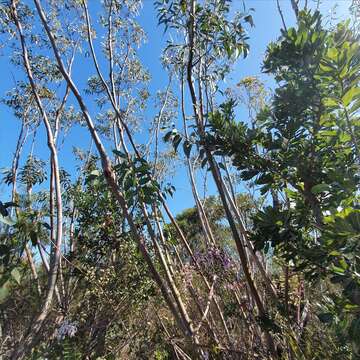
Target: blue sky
{"x":267,"y":24}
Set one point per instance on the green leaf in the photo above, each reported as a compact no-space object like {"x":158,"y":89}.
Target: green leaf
{"x":95,"y":173}
{"x":344,"y":71}
{"x":326,"y":69}
{"x":16,"y":275}
{"x":119,"y":153}
{"x":350,"y":95}
{"x":319,"y":188}
{"x":177,"y":141}
{"x":351,"y":307}
{"x":328,"y":133}
{"x":290,"y":193}
{"x":187,"y":148}
{"x":3,"y":210}
{"x":330,"y":102}
{"x":222,"y":166}
{"x":46,"y":225}
{"x":337,"y":270}
{"x":203,"y":162}
{"x":7,"y":220}
{"x":355,"y":107}
{"x":33,"y":237}
{"x":168,"y":135}
{"x":343,"y":264}
{"x":10,"y":204}
{"x":249,"y":19}
{"x":332,"y":53}
{"x":92,"y":176}
{"x":4,"y":292}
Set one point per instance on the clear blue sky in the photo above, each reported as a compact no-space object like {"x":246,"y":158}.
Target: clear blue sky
{"x":267,"y":25}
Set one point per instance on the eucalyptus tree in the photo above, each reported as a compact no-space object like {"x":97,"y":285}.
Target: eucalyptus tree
{"x":208,"y":43}
{"x":115,"y":246}
{"x":67,"y":28}
{"x":131,"y":179}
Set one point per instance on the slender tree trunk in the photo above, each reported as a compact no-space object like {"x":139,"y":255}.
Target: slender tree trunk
{"x":26,"y":342}
{"x":217,"y":178}
{"x":109,"y":173}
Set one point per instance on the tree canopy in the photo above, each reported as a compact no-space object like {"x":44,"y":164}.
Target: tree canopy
{"x":94,"y":262}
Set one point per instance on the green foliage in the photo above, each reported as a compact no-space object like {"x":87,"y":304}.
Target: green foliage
{"x":69,"y":351}
{"x":32,"y":172}
{"x":301,"y":149}
{"x":135,"y":178}
{"x":226,"y":37}
{"x":305,"y":147}
{"x":4,"y":213}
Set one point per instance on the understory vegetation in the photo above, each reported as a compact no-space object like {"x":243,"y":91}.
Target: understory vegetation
{"x":95,"y":263}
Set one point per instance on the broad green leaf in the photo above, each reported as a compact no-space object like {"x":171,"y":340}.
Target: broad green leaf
{"x":319,"y":188}
{"x":330,"y":102}
{"x":16,"y":275}
{"x":290,"y":193}
{"x":355,"y":107}
{"x":343,"y":264}
{"x":337,"y":270}
{"x":352,"y":307}
{"x":314,"y":37}
{"x":344,"y":137}
{"x":350,"y":96}
{"x":332,"y":53}
{"x":344,"y":71}
{"x":4,"y":292}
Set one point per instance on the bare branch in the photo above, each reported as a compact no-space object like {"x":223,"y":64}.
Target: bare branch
{"x":281,"y":15}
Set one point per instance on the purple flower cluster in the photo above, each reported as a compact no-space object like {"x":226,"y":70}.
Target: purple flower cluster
{"x":188,"y":274}
{"x":214,"y":260}
{"x":66,"y":329}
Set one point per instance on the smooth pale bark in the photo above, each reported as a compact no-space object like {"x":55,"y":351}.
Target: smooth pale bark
{"x":33,"y":269}
{"x":26,"y":342}
{"x":218,"y":180}
{"x":14,"y":168}
{"x":199,"y":206}
{"x":112,"y":98}
{"x":168,"y":277}
{"x":15,"y":163}
{"x":109,"y":173}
